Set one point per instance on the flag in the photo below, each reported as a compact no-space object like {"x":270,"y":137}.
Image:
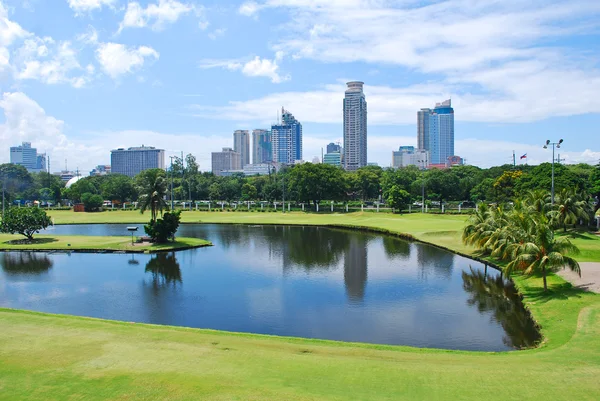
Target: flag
{"x":524,"y":156}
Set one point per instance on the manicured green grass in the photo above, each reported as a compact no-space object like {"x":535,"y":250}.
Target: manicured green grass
{"x":91,"y":243}
{"x":62,"y":357}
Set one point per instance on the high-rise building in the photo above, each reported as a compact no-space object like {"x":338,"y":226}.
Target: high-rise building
{"x":333,"y":148}
{"x":435,"y":131}
{"x":286,"y":139}
{"x":241,"y":144}
{"x":99,"y":170}
{"x":28,"y":157}
{"x":226,"y":160}
{"x":355,"y":127}
{"x":132,"y":161}
{"x":262,"y":151}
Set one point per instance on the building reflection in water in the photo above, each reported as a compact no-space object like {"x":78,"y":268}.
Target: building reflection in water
{"x":355,"y":268}
{"x":434,"y":261}
{"x":500,"y":297}
{"x":25,"y":263}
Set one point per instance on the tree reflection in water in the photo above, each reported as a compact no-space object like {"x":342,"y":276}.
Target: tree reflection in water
{"x":25,"y":263}
{"x":396,"y":248}
{"x":165,"y":270}
{"x":499,"y":296}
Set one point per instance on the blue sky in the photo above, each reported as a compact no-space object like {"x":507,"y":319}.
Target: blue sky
{"x":81,"y":77}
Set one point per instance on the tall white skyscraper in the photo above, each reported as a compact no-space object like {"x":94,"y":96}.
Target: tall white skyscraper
{"x":355,"y":127}
{"x":241,"y":144}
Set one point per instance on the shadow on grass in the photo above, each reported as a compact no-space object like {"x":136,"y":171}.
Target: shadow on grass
{"x":35,"y":241}
{"x":584,"y":235}
{"x":556,"y":291}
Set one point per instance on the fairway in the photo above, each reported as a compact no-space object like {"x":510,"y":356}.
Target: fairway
{"x":55,"y":357}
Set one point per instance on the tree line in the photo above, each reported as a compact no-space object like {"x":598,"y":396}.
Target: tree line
{"x":313,"y":183}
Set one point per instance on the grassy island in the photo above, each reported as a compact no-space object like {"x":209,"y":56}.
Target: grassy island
{"x":82,"y":243}
{"x":56,"y":357}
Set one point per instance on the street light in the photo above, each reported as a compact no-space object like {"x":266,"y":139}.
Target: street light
{"x":555,"y":145}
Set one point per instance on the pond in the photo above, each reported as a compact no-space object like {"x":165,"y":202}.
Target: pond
{"x":309,"y":282}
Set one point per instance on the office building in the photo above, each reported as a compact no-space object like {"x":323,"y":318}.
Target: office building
{"x":241,"y":144}
{"x":28,"y":157}
{"x":409,"y":156}
{"x":334,"y":148}
{"x":333,"y":158}
{"x":262,"y":151}
{"x":286,"y":139}
{"x":226,"y":160}
{"x":355,"y":127}
{"x":435,"y":131}
{"x":132,"y":161}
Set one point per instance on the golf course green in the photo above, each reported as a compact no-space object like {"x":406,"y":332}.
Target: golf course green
{"x":56,"y":357}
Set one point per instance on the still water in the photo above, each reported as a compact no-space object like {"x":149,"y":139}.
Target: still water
{"x":290,"y":281}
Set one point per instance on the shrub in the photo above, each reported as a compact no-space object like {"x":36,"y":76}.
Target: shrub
{"x":162,"y":229}
{"x":91,"y":202}
{"x":25,"y":221}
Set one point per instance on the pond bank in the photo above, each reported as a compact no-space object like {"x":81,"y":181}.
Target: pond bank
{"x":94,"y":244}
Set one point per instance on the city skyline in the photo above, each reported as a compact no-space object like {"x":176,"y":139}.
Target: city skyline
{"x":183,"y":75}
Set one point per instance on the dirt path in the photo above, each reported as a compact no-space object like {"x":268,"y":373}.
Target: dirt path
{"x":590,"y":276}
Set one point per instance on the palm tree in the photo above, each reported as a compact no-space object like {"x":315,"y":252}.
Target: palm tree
{"x":538,"y":200}
{"x":152,"y":187}
{"x":544,"y":254}
{"x":570,"y":208}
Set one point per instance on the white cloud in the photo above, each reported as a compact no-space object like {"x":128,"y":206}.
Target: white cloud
{"x":26,"y":120}
{"x":496,"y":58}
{"x":249,"y":8}
{"x":256,"y":67}
{"x":10,"y":32}
{"x":117,"y":59}
{"x":217,"y":33}
{"x":90,"y":37}
{"x":86,"y":6}
{"x":157,"y":15}
{"x":49,"y":62}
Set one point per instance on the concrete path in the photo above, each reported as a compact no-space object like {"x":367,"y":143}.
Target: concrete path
{"x":590,"y":276}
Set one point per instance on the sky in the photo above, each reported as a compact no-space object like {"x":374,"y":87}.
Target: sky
{"x":81,"y":77}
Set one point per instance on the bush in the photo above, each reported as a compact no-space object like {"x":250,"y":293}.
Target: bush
{"x":25,"y":221}
{"x":162,"y":229}
{"x":91,"y":202}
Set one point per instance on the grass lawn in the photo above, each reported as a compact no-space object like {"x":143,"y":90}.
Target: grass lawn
{"x":55,"y":357}
{"x":92,"y":243}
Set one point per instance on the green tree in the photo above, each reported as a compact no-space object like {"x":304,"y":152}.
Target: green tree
{"x":570,"y":208}
{"x":118,"y":187}
{"x":25,"y":221}
{"x":398,"y":198}
{"x":366,"y":182}
{"x":214,"y":192}
{"x":316,"y":182}
{"x":15,"y":180}
{"x":545,"y":254}
{"x":249,"y":192}
{"x":443,"y":184}
{"x":91,"y":202}
{"x":162,"y":229}
{"x":152,"y":186}
{"x":505,"y":185}
{"x":595,"y":186}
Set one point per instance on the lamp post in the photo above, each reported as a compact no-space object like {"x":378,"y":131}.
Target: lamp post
{"x":172,"y":157}
{"x":555,"y":145}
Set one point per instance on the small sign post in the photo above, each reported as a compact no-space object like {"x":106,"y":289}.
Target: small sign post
{"x":132,"y":230}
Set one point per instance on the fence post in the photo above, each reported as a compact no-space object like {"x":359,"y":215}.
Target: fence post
{"x":362,"y":207}
{"x":317,"y":207}
{"x":377,"y":207}
{"x":346,"y":207}
{"x":332,"y":206}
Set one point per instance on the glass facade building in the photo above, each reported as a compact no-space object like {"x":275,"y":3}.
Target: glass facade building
{"x":286,"y":139}
{"x":262,"y":151}
{"x":28,"y":157}
{"x":435,"y":131}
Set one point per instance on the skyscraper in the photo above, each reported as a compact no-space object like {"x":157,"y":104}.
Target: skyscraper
{"x":355,"y":126}
{"x":286,"y":139}
{"x":133,"y":161}
{"x":435,"y":131}
{"x":28,"y":157}
{"x":241,"y":144}
{"x":226,"y":160}
{"x":262,"y":151}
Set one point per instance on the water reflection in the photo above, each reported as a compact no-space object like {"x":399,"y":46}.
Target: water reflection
{"x":26,"y":263}
{"x":396,"y":248}
{"x":355,"y":268}
{"x":500,"y":297}
{"x":434,"y":261}
{"x":165,"y":270}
